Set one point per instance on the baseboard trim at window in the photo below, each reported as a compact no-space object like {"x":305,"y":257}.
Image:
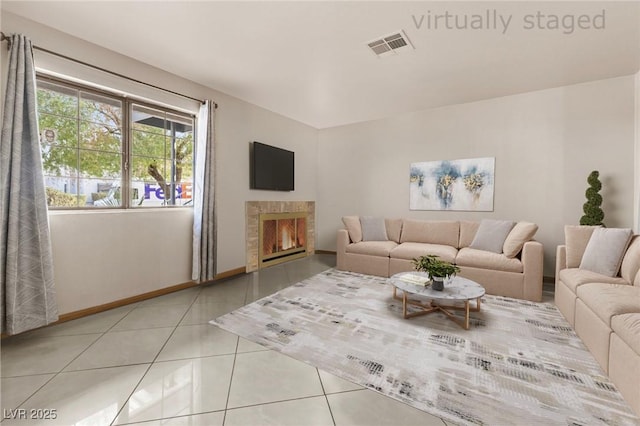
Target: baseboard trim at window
{"x":123,"y":302}
{"x":230,"y":273}
{"x":324,"y":252}
{"x":139,"y":298}
{"x":142,"y":297}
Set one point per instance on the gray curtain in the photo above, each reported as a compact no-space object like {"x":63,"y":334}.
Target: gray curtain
{"x":204,"y":215}
{"x":26,"y":265}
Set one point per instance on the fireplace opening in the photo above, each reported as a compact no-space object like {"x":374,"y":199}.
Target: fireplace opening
{"x":283,"y":237}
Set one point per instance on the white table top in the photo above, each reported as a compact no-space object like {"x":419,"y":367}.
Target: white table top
{"x":456,"y":288}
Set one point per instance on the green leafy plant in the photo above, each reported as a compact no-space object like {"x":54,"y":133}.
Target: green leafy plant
{"x":61,"y":199}
{"x":434,"y":266}
{"x":593,"y":214}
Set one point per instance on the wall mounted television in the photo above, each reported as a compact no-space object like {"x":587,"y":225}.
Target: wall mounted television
{"x":272,"y":168}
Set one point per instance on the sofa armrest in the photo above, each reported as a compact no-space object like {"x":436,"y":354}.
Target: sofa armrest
{"x":341,"y":248}
{"x":532,"y":263}
{"x":561,"y":260}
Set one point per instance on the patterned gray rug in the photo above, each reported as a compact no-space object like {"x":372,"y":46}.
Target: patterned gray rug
{"x":519,"y":363}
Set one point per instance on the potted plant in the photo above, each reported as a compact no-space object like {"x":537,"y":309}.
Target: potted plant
{"x":437,"y":269}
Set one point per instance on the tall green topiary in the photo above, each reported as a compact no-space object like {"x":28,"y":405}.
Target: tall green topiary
{"x":593,"y":214}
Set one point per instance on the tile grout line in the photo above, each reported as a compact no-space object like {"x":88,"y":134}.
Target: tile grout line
{"x":235,"y":356}
{"x":56,"y":374}
{"x":326,"y":398}
{"x":233,"y":368}
{"x":151,"y":364}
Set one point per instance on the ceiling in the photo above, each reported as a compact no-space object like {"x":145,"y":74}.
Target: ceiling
{"x":310,"y":60}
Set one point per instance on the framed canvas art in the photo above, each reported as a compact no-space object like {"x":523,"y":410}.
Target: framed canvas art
{"x":462,"y":185}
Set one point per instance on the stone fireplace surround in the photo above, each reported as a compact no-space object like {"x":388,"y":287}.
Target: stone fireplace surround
{"x":253,"y":210}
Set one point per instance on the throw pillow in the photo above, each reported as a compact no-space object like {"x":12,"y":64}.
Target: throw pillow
{"x":605,"y":250}
{"x":352,"y":223}
{"x":631,"y":260}
{"x":373,"y":229}
{"x":394,"y":228}
{"x":576,"y":238}
{"x":491,"y":235}
{"x":468,"y":231}
{"x":520,"y":234}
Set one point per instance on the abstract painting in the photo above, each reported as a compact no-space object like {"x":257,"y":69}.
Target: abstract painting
{"x":453,"y":185}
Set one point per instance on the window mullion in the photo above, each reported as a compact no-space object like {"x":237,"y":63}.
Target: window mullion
{"x":126,"y":155}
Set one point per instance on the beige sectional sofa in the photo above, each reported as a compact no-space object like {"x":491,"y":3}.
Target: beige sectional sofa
{"x":604,"y":310}
{"x":514,"y":271}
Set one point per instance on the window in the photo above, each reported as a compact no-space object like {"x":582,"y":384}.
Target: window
{"x":97,"y":146}
{"x":161,"y":157}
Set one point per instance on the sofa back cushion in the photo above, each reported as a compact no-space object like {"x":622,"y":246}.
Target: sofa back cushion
{"x":605,"y":250}
{"x":352,"y":223}
{"x":576,"y":238}
{"x":468,"y":231}
{"x":394,"y":229}
{"x":432,"y":232}
{"x":631,"y":260}
{"x":520,"y":234}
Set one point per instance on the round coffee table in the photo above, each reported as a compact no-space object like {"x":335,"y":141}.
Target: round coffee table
{"x":456,"y":290}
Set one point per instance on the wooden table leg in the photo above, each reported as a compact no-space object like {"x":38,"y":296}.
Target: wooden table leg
{"x":466,"y":314}
{"x":404,"y":304}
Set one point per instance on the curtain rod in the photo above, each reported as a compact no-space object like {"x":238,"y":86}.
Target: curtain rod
{"x":4,"y":37}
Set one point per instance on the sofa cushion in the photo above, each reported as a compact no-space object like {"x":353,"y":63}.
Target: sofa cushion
{"x":373,"y":229}
{"x":431,"y":231}
{"x":574,"y":277}
{"x":372,"y":248}
{"x":483,"y":259}
{"x":576,"y":238}
{"x":607,"y":301}
{"x":352,"y":223}
{"x":491,"y":235}
{"x":394,"y":228}
{"x":468,"y":231}
{"x":631,"y":260}
{"x":627,"y":327}
{"x":605,"y":250}
{"x":413,"y":250}
{"x":520,"y":234}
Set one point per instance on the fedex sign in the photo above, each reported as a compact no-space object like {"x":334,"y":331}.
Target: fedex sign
{"x":183,"y":191}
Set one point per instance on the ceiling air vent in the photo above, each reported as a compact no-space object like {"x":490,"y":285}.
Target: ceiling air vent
{"x":391,"y":44}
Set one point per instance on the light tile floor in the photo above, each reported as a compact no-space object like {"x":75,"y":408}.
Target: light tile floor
{"x":159,"y":362}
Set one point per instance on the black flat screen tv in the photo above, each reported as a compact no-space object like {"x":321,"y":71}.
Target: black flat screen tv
{"x":272,"y":168}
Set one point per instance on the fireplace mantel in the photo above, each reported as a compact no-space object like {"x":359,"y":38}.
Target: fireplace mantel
{"x":253,"y":211}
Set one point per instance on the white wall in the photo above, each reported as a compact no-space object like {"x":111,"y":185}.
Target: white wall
{"x":545,"y":144}
{"x":100,"y":257}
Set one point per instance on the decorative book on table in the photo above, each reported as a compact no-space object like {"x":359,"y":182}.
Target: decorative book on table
{"x":416,"y":279}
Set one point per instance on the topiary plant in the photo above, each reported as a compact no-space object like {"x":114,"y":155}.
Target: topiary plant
{"x":593,"y":214}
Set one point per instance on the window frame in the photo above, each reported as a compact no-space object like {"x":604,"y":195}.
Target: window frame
{"x":128,"y":103}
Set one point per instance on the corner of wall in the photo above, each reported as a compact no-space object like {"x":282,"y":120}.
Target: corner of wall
{"x":636,"y":188}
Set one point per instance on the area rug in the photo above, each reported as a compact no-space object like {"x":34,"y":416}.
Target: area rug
{"x":519,"y":363}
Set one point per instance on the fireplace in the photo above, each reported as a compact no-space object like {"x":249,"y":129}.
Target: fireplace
{"x":295,"y":240}
{"x":283,"y":237}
